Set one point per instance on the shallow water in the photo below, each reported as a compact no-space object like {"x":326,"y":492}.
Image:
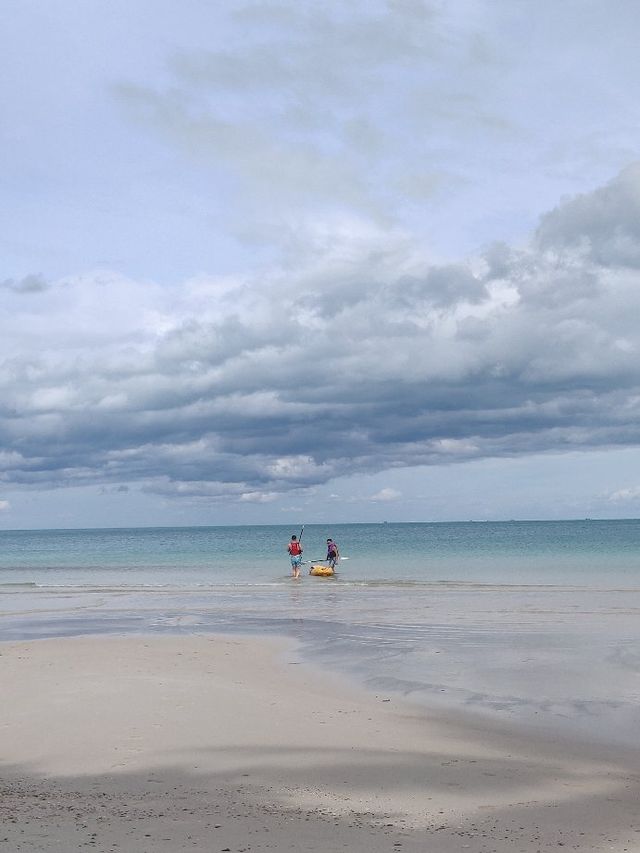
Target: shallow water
{"x":534,"y":622}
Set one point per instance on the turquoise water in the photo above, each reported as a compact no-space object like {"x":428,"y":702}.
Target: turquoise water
{"x":532,"y":622}
{"x":591,"y":553}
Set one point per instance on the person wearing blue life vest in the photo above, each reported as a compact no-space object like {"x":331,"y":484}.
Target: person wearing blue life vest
{"x":333,"y":553}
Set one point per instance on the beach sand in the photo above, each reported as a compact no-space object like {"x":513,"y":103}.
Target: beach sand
{"x":210,"y":743}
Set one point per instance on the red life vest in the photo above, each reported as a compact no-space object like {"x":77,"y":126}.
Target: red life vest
{"x":295,"y":549}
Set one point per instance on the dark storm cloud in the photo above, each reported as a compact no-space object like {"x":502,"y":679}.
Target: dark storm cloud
{"x":28,"y":284}
{"x":241,"y":390}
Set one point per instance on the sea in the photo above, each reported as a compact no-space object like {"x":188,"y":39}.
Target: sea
{"x":531,"y":623}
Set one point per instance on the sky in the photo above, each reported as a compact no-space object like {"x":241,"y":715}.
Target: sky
{"x":267,"y":261}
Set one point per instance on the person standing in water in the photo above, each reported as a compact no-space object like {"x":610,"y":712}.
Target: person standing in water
{"x":333,"y":553}
{"x":295,"y":552}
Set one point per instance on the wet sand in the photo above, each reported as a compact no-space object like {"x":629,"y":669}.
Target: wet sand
{"x":224,"y":743}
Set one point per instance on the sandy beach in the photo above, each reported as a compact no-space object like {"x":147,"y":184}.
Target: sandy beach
{"x":225,"y":743}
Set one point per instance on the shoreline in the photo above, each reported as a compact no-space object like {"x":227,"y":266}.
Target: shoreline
{"x":205,"y":742}
{"x":544,"y":659}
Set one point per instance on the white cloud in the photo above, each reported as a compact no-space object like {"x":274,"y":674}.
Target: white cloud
{"x":4,"y":506}
{"x":627,"y":495}
{"x":386,"y":495}
{"x":258,"y":497}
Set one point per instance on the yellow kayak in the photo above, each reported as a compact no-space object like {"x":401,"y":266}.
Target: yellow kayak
{"x":321,"y":571}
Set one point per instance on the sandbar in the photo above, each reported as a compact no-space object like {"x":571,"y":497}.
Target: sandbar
{"x":230,"y":743}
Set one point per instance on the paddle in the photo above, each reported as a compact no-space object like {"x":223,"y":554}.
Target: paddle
{"x":323,"y":560}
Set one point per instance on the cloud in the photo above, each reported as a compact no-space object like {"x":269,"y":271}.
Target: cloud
{"x":386,"y":495}
{"x":4,"y":506}
{"x":358,"y":354}
{"x":258,"y":497}
{"x":628,"y":495}
{"x":28,"y":284}
{"x":115,"y":490}
{"x":602,"y":226}
{"x":306,"y":108}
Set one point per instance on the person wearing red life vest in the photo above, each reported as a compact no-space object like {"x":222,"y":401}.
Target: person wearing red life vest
{"x":295,"y":552}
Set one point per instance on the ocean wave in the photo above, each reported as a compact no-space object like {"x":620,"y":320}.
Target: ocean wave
{"x":310,"y":587}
